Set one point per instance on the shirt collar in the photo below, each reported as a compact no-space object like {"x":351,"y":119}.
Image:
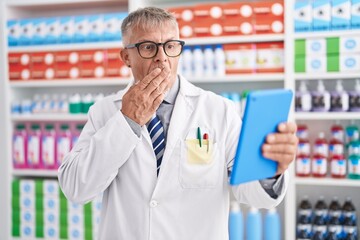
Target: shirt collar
{"x":173,"y":92}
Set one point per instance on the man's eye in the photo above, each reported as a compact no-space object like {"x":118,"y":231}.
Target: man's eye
{"x":148,"y":47}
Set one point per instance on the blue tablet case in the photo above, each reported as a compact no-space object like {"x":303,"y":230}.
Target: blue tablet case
{"x":264,"y":110}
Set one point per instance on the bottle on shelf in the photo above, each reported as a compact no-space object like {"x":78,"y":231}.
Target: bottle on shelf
{"x":75,"y":134}
{"x":19,"y":146}
{"x":272,"y":225}
{"x":354,"y":102}
{"x":220,"y":59}
{"x":336,"y":144}
{"x":253,"y":225}
{"x":187,"y":59}
{"x":303,"y":162}
{"x":75,"y":104}
{"x":48,"y":142}
{"x":320,"y":98}
{"x":332,"y":235}
{"x":303,"y":99}
{"x":352,"y":133}
{"x":236,"y":223}
{"x":350,"y":219}
{"x":87,"y":101}
{"x":354,"y":159}
{"x":305,"y":214}
{"x":335,"y":213}
{"x":209,"y":61}
{"x":63,"y":143}
{"x":320,"y":218}
{"x":34,"y":147}
{"x":319,"y":158}
{"x":198,"y":62}
{"x":339,"y":98}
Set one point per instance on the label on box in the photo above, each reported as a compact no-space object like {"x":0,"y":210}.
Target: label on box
{"x":81,"y":28}
{"x":26,"y":32}
{"x":53,"y":30}
{"x":51,"y":188}
{"x":355,"y":13}
{"x":350,"y":62}
{"x":321,"y":14}
{"x":13,"y":32}
{"x":341,"y":14}
{"x":51,"y":231}
{"x":112,"y":26}
{"x":27,"y":231}
{"x":315,"y":63}
{"x":96,"y":28}
{"x":66,"y":29}
{"x":350,"y":44}
{"x":240,"y":58}
{"x":303,"y":16}
{"x":39,"y":26}
{"x":269,"y":57}
{"x":315,"y":46}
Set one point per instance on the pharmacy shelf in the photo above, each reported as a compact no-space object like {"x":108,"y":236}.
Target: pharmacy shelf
{"x":238,"y":78}
{"x":326,"y":182}
{"x":235,"y":39}
{"x":70,"y":82}
{"x":327,"y":115}
{"x":65,"y":47}
{"x":34,"y":173}
{"x":326,"y":34}
{"x":26,"y":3}
{"x":326,"y":76}
{"x":49,"y":117}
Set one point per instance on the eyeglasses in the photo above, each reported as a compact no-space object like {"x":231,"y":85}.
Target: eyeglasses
{"x":149,"y":49}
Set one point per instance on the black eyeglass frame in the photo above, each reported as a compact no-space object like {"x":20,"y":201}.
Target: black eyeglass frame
{"x":136,"y":45}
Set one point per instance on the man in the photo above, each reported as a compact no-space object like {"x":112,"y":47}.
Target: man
{"x":140,"y":147}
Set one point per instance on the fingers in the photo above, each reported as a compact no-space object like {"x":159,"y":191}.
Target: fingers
{"x":287,"y":127}
{"x":279,"y":148}
{"x":281,"y":158}
{"x":288,"y":138}
{"x":153,"y":83}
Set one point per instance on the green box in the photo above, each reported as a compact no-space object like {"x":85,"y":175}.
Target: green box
{"x":63,"y":232}
{"x":300,"y":64}
{"x":300,"y":47}
{"x":15,"y":203}
{"x":332,"y":45}
{"x":15,"y":230}
{"x":333,"y":63}
{"x":16,"y":187}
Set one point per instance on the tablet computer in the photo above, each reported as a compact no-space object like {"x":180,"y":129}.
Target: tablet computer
{"x":264,"y":111}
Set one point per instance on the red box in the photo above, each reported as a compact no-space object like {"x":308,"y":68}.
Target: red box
{"x":240,"y":58}
{"x":92,"y":63}
{"x":238,"y":19}
{"x":114,"y":66}
{"x":185,"y":18}
{"x":268,"y":26}
{"x":67,"y":65}
{"x":43,"y":65}
{"x":269,"y":9}
{"x":208,"y":20}
{"x":270,"y":57}
{"x":19,"y":66}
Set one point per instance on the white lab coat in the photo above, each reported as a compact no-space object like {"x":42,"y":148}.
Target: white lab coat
{"x":187,"y":201}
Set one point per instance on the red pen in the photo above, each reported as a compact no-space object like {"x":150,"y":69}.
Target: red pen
{"x":206,"y":137}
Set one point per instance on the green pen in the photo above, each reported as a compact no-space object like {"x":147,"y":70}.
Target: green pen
{"x":199,"y":136}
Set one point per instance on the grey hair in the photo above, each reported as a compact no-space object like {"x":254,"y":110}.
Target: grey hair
{"x":147,"y":18}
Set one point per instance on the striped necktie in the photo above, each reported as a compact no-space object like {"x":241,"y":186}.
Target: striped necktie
{"x":156,"y":131}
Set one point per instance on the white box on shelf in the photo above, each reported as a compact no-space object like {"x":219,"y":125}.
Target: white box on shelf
{"x":51,"y":204}
{"x":96,"y":28}
{"x":350,"y":62}
{"x":52,"y":30}
{"x":27,"y":231}
{"x":51,"y":188}
{"x":27,"y":216}
{"x":350,"y":44}
{"x":81,"y":33}
{"x":51,"y":231}
{"x":112,"y":26}
{"x":355,"y":14}
{"x":316,"y":64}
{"x":27,"y":201}
{"x":303,"y":16}
{"x":26,"y":31}
{"x":66,"y":34}
{"x":27,"y":187}
{"x":321,"y":15}
{"x":39,"y":26}
{"x":76,"y":220}
{"x":13,"y":32}
{"x":51,"y":217}
{"x":341,"y":14}
{"x":315,"y":46}
{"x":75,"y":233}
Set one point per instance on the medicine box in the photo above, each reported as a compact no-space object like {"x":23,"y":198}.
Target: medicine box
{"x":51,"y":231}
{"x":321,"y":15}
{"x":240,"y":58}
{"x":332,"y":45}
{"x":208,"y":20}
{"x":238,"y":19}
{"x":112,"y":26}
{"x":299,"y":62}
{"x":315,"y":46}
{"x":27,"y":231}
{"x":66,"y":34}
{"x":350,"y":62}
{"x":52,"y":30}
{"x":26,"y":32}
{"x":350,"y":44}
{"x":333,"y":61}
{"x":316,"y":64}
{"x":340,"y":14}
{"x":355,"y":14}
{"x":19,"y":66}
{"x":270,"y":57}
{"x":184,"y":16}
{"x":67,"y":64}
{"x":13,"y":32}
{"x":96,"y":28}
{"x":39,"y":26}
{"x":91,"y":63}
{"x":51,"y":188}
{"x":43,"y":65}
{"x":303,"y":16}
{"x":81,"y":33}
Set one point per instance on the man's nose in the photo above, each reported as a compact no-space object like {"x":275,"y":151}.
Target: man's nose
{"x":160,"y":56}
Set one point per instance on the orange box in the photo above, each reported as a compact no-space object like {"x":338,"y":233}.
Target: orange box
{"x":240,"y":58}
{"x":19,"y":66}
{"x":43,"y":65}
{"x":270,"y":57}
{"x":238,"y":19}
{"x":185,"y":18}
{"x":269,"y":9}
{"x":67,"y":65}
{"x":114,"y":66}
{"x":268,"y":25}
{"x":208,"y":20}
{"x":92,"y":63}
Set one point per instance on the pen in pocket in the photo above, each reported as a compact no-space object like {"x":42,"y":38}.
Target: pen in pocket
{"x":199,"y":136}
{"x":206,"y":137}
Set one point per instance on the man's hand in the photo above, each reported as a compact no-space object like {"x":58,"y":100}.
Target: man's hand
{"x":281,"y":146}
{"x":143,"y":98}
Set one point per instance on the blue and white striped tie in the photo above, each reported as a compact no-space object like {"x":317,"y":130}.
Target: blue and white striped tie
{"x":156,"y":131}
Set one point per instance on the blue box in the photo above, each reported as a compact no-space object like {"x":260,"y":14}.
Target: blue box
{"x":355,"y":14}
{"x":39,"y":26}
{"x":96,"y":29}
{"x":112,"y":23}
{"x":303,"y":16}
{"x":66,"y":33}
{"x":340,"y":14}
{"x":81,"y":29}
{"x":52,"y":30}
{"x":321,"y":15}
{"x":13,"y":32}
{"x":26,"y":32}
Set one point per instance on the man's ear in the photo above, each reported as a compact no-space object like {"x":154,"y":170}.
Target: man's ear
{"x":124,"y":56}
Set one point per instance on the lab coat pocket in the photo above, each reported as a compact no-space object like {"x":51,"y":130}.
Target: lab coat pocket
{"x":199,"y":166}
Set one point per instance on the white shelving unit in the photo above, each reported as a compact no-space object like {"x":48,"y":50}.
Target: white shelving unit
{"x":326,"y":76}
{"x":49,"y":117}
{"x":326,"y":182}
{"x":35,"y":173}
{"x":326,"y":34}
{"x":327,"y":116}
